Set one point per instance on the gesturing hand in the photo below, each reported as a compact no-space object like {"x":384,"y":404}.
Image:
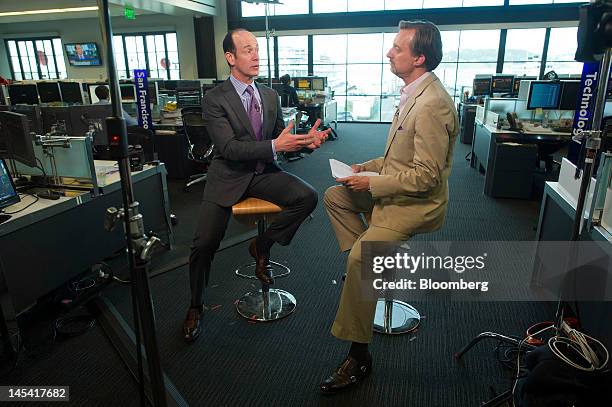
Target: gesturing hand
{"x":317,"y":137}
{"x":287,"y":141}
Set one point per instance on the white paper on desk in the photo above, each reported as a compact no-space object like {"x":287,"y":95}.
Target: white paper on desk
{"x":342,"y":170}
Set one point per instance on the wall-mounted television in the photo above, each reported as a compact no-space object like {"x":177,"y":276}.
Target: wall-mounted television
{"x":83,"y":54}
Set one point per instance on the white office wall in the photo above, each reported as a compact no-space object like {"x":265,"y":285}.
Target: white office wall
{"x":84,"y":30}
{"x":220,"y":23}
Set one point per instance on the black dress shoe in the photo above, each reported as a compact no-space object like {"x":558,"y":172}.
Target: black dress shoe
{"x":350,"y":373}
{"x":191,"y":326}
{"x":262,"y":265}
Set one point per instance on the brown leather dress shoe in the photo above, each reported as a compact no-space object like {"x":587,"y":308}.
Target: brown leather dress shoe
{"x":350,"y":373}
{"x":191,"y":327}
{"x":262,"y":264}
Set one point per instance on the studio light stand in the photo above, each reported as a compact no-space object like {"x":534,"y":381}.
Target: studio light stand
{"x":594,"y":43}
{"x":154,"y":386}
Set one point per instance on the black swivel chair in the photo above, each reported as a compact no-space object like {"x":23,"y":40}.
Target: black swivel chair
{"x":200,"y":146}
{"x":145,"y":138}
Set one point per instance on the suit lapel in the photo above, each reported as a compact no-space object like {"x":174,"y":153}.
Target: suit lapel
{"x":401,"y":119}
{"x":236,"y":103}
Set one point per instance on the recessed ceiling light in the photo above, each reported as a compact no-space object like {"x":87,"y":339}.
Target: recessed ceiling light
{"x":48,"y":11}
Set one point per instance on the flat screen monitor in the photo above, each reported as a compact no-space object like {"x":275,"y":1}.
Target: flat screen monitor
{"x":188,"y":85}
{"x":92,"y":93}
{"x":25,"y":94}
{"x":318,"y":84}
{"x":82,"y":117}
{"x":170,"y":85}
{"x":502,"y":83}
{"x":569,"y":95}
{"x":16,"y":137}
{"x":83,"y":54}
{"x":34,"y":116}
{"x":49,"y":92}
{"x":516,"y":84}
{"x":303,"y":83}
{"x":544,"y":95}
{"x":58,"y":116}
{"x":71,"y":92}
{"x":8,"y":193}
{"x":481,"y":87}
{"x":128,"y":92}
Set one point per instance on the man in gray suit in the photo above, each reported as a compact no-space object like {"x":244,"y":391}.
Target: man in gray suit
{"x":244,"y":121}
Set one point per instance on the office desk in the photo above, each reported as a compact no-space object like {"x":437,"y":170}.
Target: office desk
{"x":508,"y":158}
{"x":52,"y":242}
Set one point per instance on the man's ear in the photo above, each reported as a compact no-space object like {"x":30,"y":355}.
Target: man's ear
{"x":230,"y":58}
{"x":420,"y":61}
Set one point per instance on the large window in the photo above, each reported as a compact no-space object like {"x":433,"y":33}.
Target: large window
{"x":39,"y":58}
{"x":561,"y":49}
{"x":155,"y":52}
{"x":524,"y":48}
{"x":263,"y":56}
{"x":293,"y":55}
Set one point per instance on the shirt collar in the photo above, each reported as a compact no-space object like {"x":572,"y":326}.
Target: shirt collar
{"x":241,"y":86}
{"x":408,"y":90}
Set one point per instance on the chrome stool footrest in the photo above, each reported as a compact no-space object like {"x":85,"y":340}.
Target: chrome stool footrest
{"x":395,"y":317}
{"x":267,"y":304}
{"x":276,"y":269}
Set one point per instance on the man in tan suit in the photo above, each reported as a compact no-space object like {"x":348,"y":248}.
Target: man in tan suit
{"x":409,"y":196}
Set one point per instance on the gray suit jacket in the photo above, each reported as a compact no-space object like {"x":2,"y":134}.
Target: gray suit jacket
{"x":236,"y":148}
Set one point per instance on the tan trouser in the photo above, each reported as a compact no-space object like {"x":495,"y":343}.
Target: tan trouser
{"x":355,"y":316}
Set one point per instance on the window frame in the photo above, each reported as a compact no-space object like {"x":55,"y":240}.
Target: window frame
{"x":33,"y":40}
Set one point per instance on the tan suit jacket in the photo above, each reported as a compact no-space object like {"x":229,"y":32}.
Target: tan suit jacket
{"x":411,"y":194}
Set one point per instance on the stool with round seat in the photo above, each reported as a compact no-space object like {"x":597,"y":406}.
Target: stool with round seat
{"x":395,"y":317}
{"x":266,"y":304}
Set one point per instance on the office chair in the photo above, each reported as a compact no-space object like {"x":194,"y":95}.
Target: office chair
{"x":200,"y":146}
{"x":145,"y":138}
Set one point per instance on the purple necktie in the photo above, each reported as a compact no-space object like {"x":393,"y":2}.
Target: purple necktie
{"x":254,"y":113}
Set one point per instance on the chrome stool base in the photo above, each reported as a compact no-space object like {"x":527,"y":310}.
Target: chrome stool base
{"x":266,"y":305}
{"x":395,"y":317}
{"x":276,"y":269}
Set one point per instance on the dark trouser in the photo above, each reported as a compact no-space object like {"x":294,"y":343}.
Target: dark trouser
{"x":297,"y":198}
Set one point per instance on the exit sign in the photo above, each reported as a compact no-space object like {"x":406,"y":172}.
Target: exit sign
{"x":129,"y":13}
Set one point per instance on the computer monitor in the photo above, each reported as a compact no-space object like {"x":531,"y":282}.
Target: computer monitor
{"x":516,"y":84}
{"x":71,"y":92}
{"x":170,"y":85}
{"x":34,"y":116}
{"x":569,"y":95}
{"x":8,"y":193}
{"x":502,"y":84}
{"x":49,"y":92}
{"x":16,"y":137}
{"x":153,"y":93}
{"x":481,"y":86}
{"x":544,"y":95}
{"x":92,"y":92}
{"x":188,"y":85}
{"x":58,"y":116}
{"x":303,"y":83}
{"x":82,"y":117}
{"x":318,"y":84}
{"x":23,"y":94}
{"x":128,"y":92}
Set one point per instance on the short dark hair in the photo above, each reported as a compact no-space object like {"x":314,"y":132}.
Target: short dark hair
{"x":285,"y":79}
{"x":427,"y":41}
{"x":102,"y":92}
{"x":228,"y":41}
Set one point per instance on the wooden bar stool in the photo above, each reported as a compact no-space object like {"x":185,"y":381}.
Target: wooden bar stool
{"x":265,"y":304}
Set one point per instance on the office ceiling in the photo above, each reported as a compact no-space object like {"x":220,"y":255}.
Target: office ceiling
{"x":169,"y":7}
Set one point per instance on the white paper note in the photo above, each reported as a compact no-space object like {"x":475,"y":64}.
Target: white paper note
{"x":342,"y":170}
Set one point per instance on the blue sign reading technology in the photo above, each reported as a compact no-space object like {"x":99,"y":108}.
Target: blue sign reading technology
{"x":142,"y":98}
{"x":586,"y":98}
